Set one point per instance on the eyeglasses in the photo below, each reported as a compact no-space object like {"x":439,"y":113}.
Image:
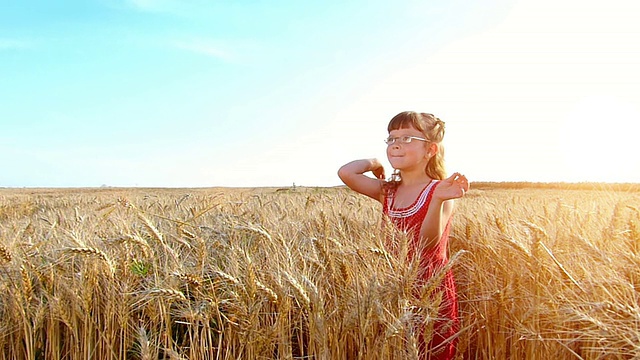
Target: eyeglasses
{"x":403,"y":139}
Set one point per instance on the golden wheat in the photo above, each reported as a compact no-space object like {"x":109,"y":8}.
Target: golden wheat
{"x":258,"y":273}
{"x":5,"y":255}
{"x":298,"y":287}
{"x":273,"y":297}
{"x":168,"y":293}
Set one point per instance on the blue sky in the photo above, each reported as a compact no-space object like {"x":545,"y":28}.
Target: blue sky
{"x":190,"y":93}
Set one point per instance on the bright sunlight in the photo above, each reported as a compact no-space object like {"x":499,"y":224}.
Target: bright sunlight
{"x":599,"y":141}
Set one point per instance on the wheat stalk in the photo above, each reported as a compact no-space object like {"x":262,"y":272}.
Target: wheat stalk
{"x":255,"y":229}
{"x":298,"y":287}
{"x":168,"y":293}
{"x":273,"y":297}
{"x":561,"y":267}
{"x":27,"y":284}
{"x":190,"y":279}
{"x":151,"y":228}
{"x":137,"y":240}
{"x":158,"y":236}
{"x":144,"y":344}
{"x":5,"y":254}
{"x":223,"y":275}
{"x":89,"y":251}
{"x":92,"y":252}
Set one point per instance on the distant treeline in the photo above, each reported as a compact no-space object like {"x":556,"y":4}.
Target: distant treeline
{"x":631,"y":187}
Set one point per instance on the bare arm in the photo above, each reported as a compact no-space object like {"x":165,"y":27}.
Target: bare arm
{"x":435,"y":222}
{"x":441,"y":208}
{"x":352,"y":175}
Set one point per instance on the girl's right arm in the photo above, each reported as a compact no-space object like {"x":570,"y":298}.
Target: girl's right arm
{"x":352,"y":175}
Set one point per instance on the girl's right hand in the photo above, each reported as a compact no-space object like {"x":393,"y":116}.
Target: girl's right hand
{"x":353,"y":175}
{"x":378,"y":169}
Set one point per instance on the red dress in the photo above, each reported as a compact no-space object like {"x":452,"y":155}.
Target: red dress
{"x":409,"y":219}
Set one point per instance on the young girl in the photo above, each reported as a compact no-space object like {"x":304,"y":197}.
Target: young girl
{"x":418,"y":200}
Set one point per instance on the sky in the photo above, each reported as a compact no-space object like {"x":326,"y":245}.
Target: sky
{"x":252,"y":93}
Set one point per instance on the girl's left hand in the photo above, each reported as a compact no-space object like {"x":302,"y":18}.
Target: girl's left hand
{"x":453,"y":187}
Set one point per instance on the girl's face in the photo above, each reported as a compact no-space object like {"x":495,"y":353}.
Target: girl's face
{"x":409,"y":156}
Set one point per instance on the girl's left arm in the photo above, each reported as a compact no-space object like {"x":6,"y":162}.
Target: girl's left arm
{"x":435,"y":222}
{"x":441,"y":208}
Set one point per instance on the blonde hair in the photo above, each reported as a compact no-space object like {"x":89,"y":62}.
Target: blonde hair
{"x":433,"y":130}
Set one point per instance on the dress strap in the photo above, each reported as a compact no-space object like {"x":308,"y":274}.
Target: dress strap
{"x":421,"y":200}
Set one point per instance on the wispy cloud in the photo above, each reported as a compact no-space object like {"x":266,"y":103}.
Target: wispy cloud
{"x":13,"y":44}
{"x":211,"y":48}
{"x":148,"y":5}
{"x":159,"y":6}
{"x":145,"y":6}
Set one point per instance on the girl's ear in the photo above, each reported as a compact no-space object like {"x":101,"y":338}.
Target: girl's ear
{"x":432,"y":149}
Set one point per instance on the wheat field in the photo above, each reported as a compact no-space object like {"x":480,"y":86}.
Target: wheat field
{"x":301,"y":273}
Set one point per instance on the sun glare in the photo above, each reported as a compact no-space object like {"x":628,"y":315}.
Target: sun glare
{"x":599,"y":141}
